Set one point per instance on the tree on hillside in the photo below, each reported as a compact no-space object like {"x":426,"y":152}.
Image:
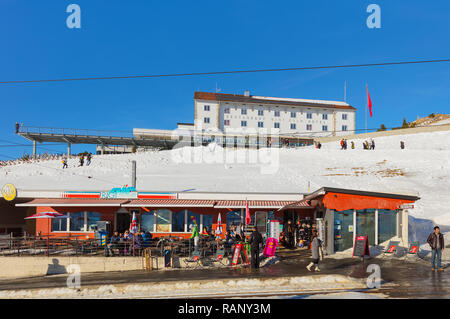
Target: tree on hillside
{"x":405,"y":124}
{"x":382,"y":128}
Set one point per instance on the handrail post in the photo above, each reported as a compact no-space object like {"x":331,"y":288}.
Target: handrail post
{"x":47,"y":245}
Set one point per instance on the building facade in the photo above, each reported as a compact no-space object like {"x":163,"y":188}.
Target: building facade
{"x":300,"y":117}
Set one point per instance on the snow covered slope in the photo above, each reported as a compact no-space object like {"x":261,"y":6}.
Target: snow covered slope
{"x":422,"y":169}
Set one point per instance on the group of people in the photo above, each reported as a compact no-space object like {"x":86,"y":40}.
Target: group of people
{"x":126,"y":242}
{"x":297,"y":235}
{"x":369,"y":145}
{"x":80,"y":159}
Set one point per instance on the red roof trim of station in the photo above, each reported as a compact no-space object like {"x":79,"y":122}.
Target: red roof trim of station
{"x":73,"y":202}
{"x":252,"y":203}
{"x":170,"y":203}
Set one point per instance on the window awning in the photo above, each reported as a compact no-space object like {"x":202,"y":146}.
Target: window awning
{"x":170,"y":203}
{"x":303,"y":204}
{"x":73,"y":202}
{"x":252,"y":204}
{"x":340,"y":202}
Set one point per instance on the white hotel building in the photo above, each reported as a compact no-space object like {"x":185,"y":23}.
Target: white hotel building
{"x":292,"y":117}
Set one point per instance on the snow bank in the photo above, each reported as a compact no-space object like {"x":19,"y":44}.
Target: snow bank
{"x":421,"y":169}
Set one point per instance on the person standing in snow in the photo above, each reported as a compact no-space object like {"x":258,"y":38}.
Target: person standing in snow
{"x":436,"y":242}
{"x":353,"y":145}
{"x":88,"y":159}
{"x":316,"y":247}
{"x":402,"y":145}
{"x":17,"y":127}
{"x":342,"y":144}
{"x":373,"y":145}
{"x":81,"y":160}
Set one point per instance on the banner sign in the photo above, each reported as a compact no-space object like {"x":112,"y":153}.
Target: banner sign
{"x":407,"y":206}
{"x":361,"y":247}
{"x":271,"y":247}
{"x":274,"y":229}
{"x":9,"y":192}
{"x":120,"y":193}
{"x":236,"y":254}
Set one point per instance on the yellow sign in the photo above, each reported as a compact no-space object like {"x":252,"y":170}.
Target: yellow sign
{"x":9,"y":192}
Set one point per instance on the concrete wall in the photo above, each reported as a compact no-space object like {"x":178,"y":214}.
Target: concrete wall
{"x":413,"y":130}
{"x":33,"y":266}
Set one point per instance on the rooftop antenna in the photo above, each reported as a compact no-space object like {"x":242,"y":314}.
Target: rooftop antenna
{"x":217,"y":88}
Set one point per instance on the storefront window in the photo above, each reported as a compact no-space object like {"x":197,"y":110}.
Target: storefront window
{"x":207,"y":222}
{"x":92,"y":219}
{"x":59,"y":224}
{"x":343,"y":230}
{"x":387,"y":222}
{"x":162,"y":221}
{"x":77,"y":221}
{"x":190,"y":221}
{"x":365,"y":224}
{"x":148,"y":222}
{"x":178,"y":221}
{"x":233,"y":219}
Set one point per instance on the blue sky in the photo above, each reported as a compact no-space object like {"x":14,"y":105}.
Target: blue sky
{"x":152,"y":37}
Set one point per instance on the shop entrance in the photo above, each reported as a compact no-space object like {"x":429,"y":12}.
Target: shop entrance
{"x":261,"y":222}
{"x":123,"y":220}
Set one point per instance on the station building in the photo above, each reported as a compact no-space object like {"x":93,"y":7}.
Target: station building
{"x":340,"y":214}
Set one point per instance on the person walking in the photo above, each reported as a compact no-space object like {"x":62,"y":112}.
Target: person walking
{"x":316,"y":247}
{"x":372,"y":145}
{"x":353,"y":145}
{"x":436,"y":242}
{"x":81,"y":160}
{"x":17,"y":127}
{"x":64,"y":162}
{"x":255,"y":241}
{"x":402,"y":145}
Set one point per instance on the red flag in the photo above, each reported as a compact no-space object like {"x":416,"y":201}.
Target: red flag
{"x":248,"y":219}
{"x":369,"y":101}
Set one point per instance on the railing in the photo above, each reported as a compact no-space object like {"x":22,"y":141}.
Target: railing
{"x":69,"y":246}
{"x":75,"y":131}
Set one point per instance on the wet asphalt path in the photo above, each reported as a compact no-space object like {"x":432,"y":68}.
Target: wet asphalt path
{"x":400,"y":279}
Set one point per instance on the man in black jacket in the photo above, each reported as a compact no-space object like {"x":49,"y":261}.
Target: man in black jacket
{"x":436,"y":242}
{"x":255,"y":240}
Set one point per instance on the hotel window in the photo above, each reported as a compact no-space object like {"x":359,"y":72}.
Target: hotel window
{"x":243,"y":123}
{"x":293,"y":126}
{"x":344,"y":127}
{"x":162,"y":221}
{"x":178,"y":221}
{"x":344,"y":116}
{"x":244,"y":111}
{"x":309,"y":127}
{"x":276,"y":125}
{"x":277,"y":113}
{"x":206,"y":120}
{"x":260,"y":112}
{"x":309,"y":115}
{"x":226,"y":110}
{"x":324,"y":116}
{"x":324,"y":128}
{"x":148,"y":221}
{"x":226,"y":122}
{"x":260,"y":124}
{"x":206,"y":108}
{"x":293,"y":114}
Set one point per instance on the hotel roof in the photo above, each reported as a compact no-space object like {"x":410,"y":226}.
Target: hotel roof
{"x":222,"y":97}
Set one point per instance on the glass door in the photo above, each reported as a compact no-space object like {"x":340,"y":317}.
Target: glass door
{"x":343,"y":230}
{"x":365,"y":224}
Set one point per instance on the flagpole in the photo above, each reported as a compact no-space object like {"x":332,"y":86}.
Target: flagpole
{"x":367,"y":99}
